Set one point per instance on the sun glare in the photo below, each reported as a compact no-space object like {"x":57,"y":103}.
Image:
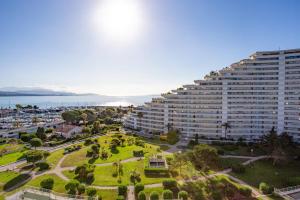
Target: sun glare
{"x":120,"y":20}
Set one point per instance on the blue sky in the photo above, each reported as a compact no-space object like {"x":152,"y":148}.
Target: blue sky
{"x":54,"y":44}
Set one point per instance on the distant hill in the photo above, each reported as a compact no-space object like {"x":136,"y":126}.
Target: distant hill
{"x":34,"y":92}
{"x":15,"y":92}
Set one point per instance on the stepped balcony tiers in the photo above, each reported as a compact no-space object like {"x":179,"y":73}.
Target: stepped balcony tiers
{"x":243,"y":100}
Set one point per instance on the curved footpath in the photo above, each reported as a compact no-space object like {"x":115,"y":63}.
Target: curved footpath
{"x":58,"y":170}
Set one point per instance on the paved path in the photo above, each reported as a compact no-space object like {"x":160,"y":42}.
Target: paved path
{"x":130,"y":193}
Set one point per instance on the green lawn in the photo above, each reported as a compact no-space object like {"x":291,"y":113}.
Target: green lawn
{"x":264,"y":171}
{"x":79,"y":157}
{"x":59,"y":184}
{"x":234,"y":149}
{"x":103,"y":175}
{"x":108,"y":194}
{"x":226,"y":163}
{"x":10,"y":147}
{"x":11,"y":157}
{"x":54,"y":157}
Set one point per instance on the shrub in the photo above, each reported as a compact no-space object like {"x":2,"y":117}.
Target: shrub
{"x":154,"y":195}
{"x":293,"y":181}
{"x":138,"y":153}
{"x":91,"y":192}
{"x":167,"y":194}
{"x":142,"y":195}
{"x":88,"y":142}
{"x":265,"y":188}
{"x":140,"y":143}
{"x":220,"y":151}
{"x":47,"y":183}
{"x":156,"y":171}
{"x":183,"y":195}
{"x":245,"y":191}
{"x":122,"y":190}
{"x":120,"y":197}
{"x":169,"y":184}
{"x":238,"y":168}
{"x":138,"y":188}
{"x":81,"y":189}
{"x":43,"y":165}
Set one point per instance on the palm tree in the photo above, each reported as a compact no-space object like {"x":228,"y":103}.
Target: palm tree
{"x":227,"y":126}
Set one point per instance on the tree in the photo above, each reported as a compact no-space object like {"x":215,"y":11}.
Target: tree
{"x":138,"y":188}
{"x":204,"y":156}
{"x":122,"y":190}
{"x":82,"y":171}
{"x":167,"y":194}
{"x":142,"y":195}
{"x":33,"y":156}
{"x":84,"y":117}
{"x":227,"y":126}
{"x":91,"y":192}
{"x":26,"y":137}
{"x":183,"y":195}
{"x":40,"y":133}
{"x":154,"y":195}
{"x":180,"y":160}
{"x":71,"y":187}
{"x":36,"y":142}
{"x":96,"y":127}
{"x":279,"y":147}
{"x":173,"y":136}
{"x":47,"y":183}
{"x":72,"y":116}
{"x":80,"y":189}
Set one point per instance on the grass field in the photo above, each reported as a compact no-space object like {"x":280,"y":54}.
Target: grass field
{"x":264,"y":171}
{"x":10,"y":147}
{"x":11,"y":157}
{"x":103,"y":175}
{"x":6,"y":177}
{"x":54,"y":157}
{"x":59,"y":184}
{"x":79,"y":157}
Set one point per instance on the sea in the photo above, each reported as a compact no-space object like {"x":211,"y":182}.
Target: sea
{"x":67,"y":101}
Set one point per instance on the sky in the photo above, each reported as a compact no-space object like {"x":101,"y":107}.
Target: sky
{"x":142,"y":47}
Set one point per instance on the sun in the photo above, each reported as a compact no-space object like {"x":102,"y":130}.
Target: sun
{"x":119,"y":20}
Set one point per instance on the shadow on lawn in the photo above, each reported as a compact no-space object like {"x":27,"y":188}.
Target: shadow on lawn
{"x":16,"y":182}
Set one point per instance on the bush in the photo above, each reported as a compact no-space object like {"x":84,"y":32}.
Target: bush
{"x":122,"y":190}
{"x":183,"y":195}
{"x":138,"y":153}
{"x":138,"y":188}
{"x":43,"y":165}
{"x":91,"y":192}
{"x":81,"y":189}
{"x":154,"y":195}
{"x":142,"y":195}
{"x":238,"y":168}
{"x":47,"y":183}
{"x":245,"y":191}
{"x":220,"y":151}
{"x":88,"y":142}
{"x":170,"y":184}
{"x":265,"y":188}
{"x":293,"y":181}
{"x":120,"y":197}
{"x":156,"y":171}
{"x":167,"y":194}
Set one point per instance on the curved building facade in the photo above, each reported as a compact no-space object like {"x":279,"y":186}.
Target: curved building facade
{"x":244,"y":100}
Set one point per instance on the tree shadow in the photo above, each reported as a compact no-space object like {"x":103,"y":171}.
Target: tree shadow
{"x":16,"y":182}
{"x":114,"y":151}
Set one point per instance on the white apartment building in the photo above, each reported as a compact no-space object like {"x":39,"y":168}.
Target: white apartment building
{"x":244,"y":100}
